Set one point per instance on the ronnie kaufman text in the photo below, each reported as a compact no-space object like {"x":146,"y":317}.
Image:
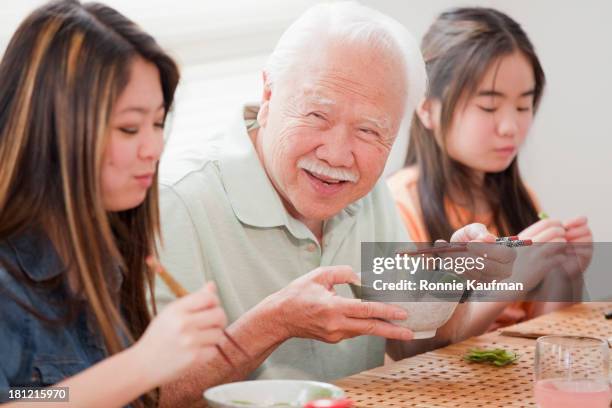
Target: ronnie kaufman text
{"x":469,"y":284}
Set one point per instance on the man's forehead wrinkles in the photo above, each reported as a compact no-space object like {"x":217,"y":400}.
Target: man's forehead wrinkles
{"x":346,"y":85}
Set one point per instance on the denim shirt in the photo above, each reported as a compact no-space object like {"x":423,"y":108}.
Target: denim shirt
{"x":32,"y":352}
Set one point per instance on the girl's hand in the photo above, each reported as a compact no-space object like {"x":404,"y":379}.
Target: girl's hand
{"x":546,"y":230}
{"x":579,"y":235}
{"x":475,"y":232}
{"x":577,"y":230}
{"x":498,"y":259}
{"x":184,"y":334}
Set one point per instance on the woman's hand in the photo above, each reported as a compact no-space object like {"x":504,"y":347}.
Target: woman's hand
{"x":576,"y":254}
{"x":498,"y":259}
{"x":184,"y":334}
{"x":577,"y":230}
{"x":580,"y":245}
{"x":546,"y":230}
{"x":567,"y":247}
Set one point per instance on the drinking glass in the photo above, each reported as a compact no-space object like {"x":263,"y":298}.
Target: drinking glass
{"x":572,"y":371}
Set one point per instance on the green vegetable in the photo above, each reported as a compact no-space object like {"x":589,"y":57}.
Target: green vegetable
{"x":313,"y":393}
{"x":542,"y":215}
{"x":497,"y":357}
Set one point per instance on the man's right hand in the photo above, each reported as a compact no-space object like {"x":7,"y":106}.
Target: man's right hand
{"x":310,"y":308}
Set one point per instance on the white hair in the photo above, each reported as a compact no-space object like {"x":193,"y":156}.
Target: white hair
{"x":351,"y":22}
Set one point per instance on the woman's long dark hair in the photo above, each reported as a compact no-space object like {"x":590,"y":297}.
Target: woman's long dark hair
{"x":458,"y":49}
{"x":59,"y":80}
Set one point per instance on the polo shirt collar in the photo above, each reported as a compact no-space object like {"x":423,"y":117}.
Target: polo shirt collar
{"x":252,"y":196}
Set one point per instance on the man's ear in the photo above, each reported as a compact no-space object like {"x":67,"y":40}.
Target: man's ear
{"x":264,"y":108}
{"x":428,"y":112}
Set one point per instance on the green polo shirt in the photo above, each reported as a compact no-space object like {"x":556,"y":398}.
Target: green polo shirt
{"x":223,"y":220}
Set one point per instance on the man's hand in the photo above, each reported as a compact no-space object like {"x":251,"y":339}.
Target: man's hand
{"x":310,"y":308}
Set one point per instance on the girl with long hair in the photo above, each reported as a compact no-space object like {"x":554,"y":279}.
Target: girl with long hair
{"x":84,"y":95}
{"x":485,"y":85}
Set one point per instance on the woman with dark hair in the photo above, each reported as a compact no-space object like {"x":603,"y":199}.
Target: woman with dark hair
{"x":485,"y":85}
{"x":84,"y":94}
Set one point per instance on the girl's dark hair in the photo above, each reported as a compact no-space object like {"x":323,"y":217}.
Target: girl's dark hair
{"x":458,"y":49}
{"x":60,"y":77}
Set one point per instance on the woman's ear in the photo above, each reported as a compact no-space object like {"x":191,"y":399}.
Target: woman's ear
{"x":428,"y":111}
{"x":264,"y":108}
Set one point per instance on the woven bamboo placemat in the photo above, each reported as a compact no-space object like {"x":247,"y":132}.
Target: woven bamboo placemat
{"x":586,"y":319}
{"x":441,"y":378}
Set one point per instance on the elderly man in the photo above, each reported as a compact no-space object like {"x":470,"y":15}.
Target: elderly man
{"x":277,"y":215}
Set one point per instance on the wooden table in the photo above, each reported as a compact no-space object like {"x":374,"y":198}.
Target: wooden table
{"x":441,"y":378}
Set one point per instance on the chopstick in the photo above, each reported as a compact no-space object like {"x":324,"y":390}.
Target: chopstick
{"x":168,"y":279}
{"x":524,"y":335}
{"x":535,"y":335}
{"x":510,"y":242}
{"x":179,"y":291}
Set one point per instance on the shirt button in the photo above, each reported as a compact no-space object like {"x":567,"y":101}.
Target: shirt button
{"x":311,"y":247}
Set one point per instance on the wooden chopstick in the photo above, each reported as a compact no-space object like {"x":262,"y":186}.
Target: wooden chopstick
{"x":524,"y":335}
{"x":511,"y":242}
{"x":168,"y":279}
{"x":536,"y":335}
{"x":179,"y":291}
{"x":461,"y":247}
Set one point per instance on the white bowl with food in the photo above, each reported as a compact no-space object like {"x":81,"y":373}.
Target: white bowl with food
{"x":426,"y":313}
{"x":270,"y":393}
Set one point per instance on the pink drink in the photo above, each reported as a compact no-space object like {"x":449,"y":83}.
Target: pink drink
{"x":561,"y":393}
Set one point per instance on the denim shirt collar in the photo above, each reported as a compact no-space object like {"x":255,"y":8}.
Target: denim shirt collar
{"x":37,"y":257}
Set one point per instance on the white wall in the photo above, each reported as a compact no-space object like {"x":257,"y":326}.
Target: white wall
{"x":222,"y":46}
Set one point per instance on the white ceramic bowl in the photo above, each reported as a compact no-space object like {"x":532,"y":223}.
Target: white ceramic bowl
{"x":269,"y":393}
{"x":425,"y":316}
